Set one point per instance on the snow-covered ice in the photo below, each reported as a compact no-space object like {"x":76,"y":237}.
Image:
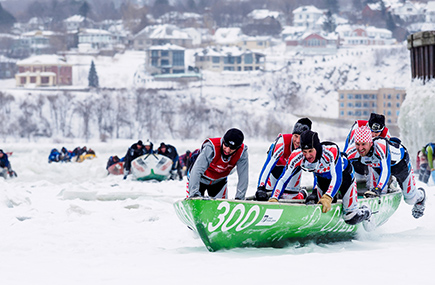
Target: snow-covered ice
{"x":74,"y":224}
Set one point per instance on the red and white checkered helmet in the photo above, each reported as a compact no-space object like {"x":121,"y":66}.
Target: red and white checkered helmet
{"x":363,"y":134}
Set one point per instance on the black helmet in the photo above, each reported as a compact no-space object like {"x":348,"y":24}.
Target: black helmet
{"x":376,"y":122}
{"x":233,"y":138}
{"x":302,"y":125}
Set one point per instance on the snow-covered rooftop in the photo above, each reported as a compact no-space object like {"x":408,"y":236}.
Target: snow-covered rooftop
{"x":260,"y":14}
{"x":309,"y":9}
{"x":166,"y":47}
{"x":163,"y":32}
{"x":75,"y":18}
{"x":94,"y":32}
{"x":227,"y":35}
{"x":43,"y":59}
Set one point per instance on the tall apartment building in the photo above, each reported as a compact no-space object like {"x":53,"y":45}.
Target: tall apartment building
{"x":165,"y":59}
{"x":358,"y":104}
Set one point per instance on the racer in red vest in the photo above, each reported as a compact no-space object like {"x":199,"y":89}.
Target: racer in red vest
{"x":217,"y":159}
{"x":277,"y":158}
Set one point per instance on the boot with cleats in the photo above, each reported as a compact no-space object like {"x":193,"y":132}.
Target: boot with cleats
{"x":418,"y":209}
{"x":361,"y":214}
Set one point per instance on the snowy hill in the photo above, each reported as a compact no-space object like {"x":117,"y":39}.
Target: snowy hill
{"x":262,"y":103}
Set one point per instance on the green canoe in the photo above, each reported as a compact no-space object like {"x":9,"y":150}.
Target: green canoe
{"x":226,"y":224}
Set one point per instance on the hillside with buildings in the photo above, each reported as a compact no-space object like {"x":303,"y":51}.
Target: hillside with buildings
{"x":312,"y":58}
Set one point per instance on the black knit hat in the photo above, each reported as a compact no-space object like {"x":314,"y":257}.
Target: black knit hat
{"x":302,"y":125}
{"x":233,"y":138}
{"x":309,"y":140}
{"x":377,"y":122}
{"x":139,"y":142}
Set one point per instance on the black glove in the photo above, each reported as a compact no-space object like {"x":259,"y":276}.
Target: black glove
{"x":372,"y":193}
{"x":262,"y":188}
{"x":261,"y":194}
{"x":312,"y":198}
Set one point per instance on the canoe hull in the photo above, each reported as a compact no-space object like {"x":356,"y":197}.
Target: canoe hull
{"x":151,"y":167}
{"x":225,"y":224}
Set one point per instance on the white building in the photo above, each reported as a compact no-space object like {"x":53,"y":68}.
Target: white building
{"x":233,"y":58}
{"x":306,"y":16}
{"x":407,"y":11}
{"x":429,"y":12}
{"x":98,"y":39}
{"x":364,"y":36}
{"x":73,"y":23}
{"x":160,"y":35}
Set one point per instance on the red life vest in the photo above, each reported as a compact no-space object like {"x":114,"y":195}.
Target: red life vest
{"x":218,"y":167}
{"x":288,"y":148}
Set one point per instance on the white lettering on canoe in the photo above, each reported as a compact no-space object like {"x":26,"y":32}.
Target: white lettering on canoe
{"x":270,"y":217}
{"x":225,"y":219}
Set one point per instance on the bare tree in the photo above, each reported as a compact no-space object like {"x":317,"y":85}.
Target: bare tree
{"x":84,"y":109}
{"x":192,"y":112}
{"x":105,"y":115}
{"x":123,"y":116}
{"x":5,"y":114}
{"x":60,"y":112}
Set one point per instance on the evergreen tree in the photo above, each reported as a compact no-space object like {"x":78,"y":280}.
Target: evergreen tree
{"x":383,"y":8}
{"x":329,"y":23}
{"x":333,"y":6}
{"x":390,"y":23}
{"x":357,"y":5}
{"x":191,"y":5}
{"x":84,"y":9}
{"x":6,"y":19}
{"x":93,"y":77}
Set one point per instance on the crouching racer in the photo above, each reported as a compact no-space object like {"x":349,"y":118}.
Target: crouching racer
{"x":277,"y":158}
{"x":386,"y":159}
{"x":333,"y":174}
{"x":217,"y":159}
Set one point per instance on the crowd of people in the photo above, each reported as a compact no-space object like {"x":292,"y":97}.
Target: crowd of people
{"x":370,"y":155}
{"x":64,"y":155}
{"x":180,"y":163}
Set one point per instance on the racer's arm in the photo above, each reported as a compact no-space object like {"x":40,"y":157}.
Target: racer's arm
{"x":350,"y":137}
{"x":203,"y":161}
{"x":294,"y":162}
{"x":276,"y":150}
{"x":388,"y":135}
{"x":429,"y":151}
{"x":336,"y":171}
{"x":385,"y":163}
{"x":243,"y":173}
